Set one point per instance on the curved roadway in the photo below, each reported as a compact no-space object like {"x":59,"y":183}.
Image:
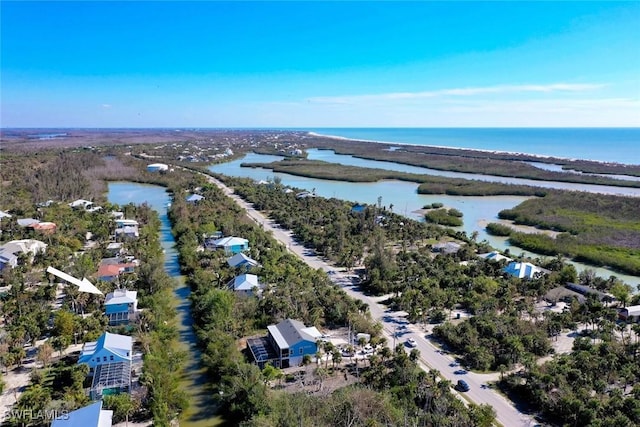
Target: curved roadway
{"x":430,"y":356}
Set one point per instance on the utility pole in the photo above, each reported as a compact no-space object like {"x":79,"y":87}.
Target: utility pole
{"x":395,"y":333}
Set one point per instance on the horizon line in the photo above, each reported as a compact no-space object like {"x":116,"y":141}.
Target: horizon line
{"x":301,"y":127}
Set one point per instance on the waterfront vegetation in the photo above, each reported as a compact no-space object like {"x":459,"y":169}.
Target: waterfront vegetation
{"x":332,"y":227}
{"x":482,"y":162}
{"x":393,"y":389}
{"x":429,"y":184}
{"x":40,"y":322}
{"x":597,"y":229}
{"x":446,"y":217}
{"x":505,"y":331}
{"x":595,"y":384}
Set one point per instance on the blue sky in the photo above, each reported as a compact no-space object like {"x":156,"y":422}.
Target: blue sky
{"x":319,"y":64}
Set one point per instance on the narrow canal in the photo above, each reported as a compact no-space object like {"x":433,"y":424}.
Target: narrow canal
{"x":201,"y":411}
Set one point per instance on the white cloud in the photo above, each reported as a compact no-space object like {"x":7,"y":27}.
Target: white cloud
{"x":106,"y":106}
{"x":543,"y":105}
{"x":466,"y":91}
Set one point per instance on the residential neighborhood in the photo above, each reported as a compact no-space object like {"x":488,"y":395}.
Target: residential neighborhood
{"x":101,"y":299}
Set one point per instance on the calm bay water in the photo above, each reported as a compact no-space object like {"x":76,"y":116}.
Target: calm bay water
{"x":620,"y":145}
{"x":331,"y":157}
{"x":477,"y":211}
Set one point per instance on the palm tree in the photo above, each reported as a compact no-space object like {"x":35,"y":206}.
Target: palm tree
{"x":336,"y":357}
{"x":385,"y":353}
{"x":502,"y":368}
{"x":328,"y":349}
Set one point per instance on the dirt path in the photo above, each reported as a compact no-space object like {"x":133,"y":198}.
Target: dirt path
{"x":17,"y":379}
{"x":431,"y":356}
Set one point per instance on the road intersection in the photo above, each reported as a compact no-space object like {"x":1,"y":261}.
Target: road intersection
{"x":395,"y":327}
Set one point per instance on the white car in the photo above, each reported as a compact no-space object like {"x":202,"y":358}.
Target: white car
{"x":412,"y":343}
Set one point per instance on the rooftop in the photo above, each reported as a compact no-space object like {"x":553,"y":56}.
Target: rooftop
{"x":90,"y":416}
{"x":230,"y":241}
{"x":289,"y":332}
{"x":244,"y":282}
{"x":118,"y":344}
{"x":121,"y":296}
{"x":241,"y":259}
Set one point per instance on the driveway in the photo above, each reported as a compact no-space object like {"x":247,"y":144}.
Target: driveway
{"x":431,"y":357}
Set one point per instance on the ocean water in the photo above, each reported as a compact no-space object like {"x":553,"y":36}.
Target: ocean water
{"x":619,"y":145}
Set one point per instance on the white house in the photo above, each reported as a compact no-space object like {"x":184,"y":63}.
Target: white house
{"x":245,"y":284}
{"x":305,"y":195}
{"x":524,"y":270}
{"x":127,"y":232}
{"x":90,"y":416}
{"x":4,"y":214}
{"x":81,"y":203}
{"x":10,"y":251}
{"x":114,"y":248}
{"x":630,"y":314}
{"x":157,"y":167}
{"x":126,"y":228}
{"x":494,"y":256}
{"x":117,"y":214}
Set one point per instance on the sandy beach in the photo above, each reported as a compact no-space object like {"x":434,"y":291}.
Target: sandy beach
{"x":512,"y":153}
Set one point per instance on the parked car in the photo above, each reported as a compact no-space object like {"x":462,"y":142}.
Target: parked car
{"x":462,"y":386}
{"x":411,"y":342}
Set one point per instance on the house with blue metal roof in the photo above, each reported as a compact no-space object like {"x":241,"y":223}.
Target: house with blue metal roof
{"x":90,"y":416}
{"x":109,"y":360}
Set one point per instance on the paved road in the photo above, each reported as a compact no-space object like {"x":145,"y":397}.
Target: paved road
{"x":431,"y":357}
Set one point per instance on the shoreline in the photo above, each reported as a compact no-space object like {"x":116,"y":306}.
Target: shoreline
{"x":481,"y":150}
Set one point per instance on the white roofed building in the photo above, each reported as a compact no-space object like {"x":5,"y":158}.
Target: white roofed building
{"x":230,"y":245}
{"x":245,"y":284}
{"x":157,"y":167}
{"x":495,"y":256}
{"x":81,"y":204}
{"x":630,"y":314}
{"x":524,"y":270}
{"x":194,"y":198}
{"x":121,"y":222}
{"x":10,"y":251}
